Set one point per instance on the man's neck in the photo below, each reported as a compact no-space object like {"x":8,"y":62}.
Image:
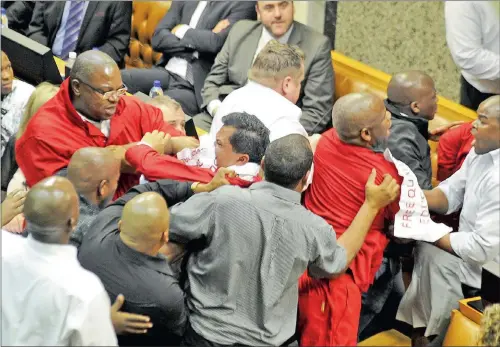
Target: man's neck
{"x":144,"y":249}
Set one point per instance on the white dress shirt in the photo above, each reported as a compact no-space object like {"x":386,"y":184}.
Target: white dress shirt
{"x":473,"y":36}
{"x":104,"y":125}
{"x":178,"y":65}
{"x":277,"y":113}
{"x":265,"y":37}
{"x":475,"y":188}
{"x":49,"y":299}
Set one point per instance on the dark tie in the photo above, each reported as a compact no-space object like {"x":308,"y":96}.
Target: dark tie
{"x":73,"y":25}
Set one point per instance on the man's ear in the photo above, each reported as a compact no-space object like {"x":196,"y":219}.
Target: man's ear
{"x":285,"y":85}
{"x":257,"y":10}
{"x":243,"y":159}
{"x":103,"y":188}
{"x":120,"y":225}
{"x":366,"y":135}
{"x":164,"y":237}
{"x":72,"y":223}
{"x":75,"y":87}
{"x":414,"y":107}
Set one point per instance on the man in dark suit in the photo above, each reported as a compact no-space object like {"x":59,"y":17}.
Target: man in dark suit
{"x":189,"y":36}
{"x":246,"y":40}
{"x":19,"y":14}
{"x":79,"y":26}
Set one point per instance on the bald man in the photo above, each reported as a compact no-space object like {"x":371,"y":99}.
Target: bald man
{"x":90,"y":110}
{"x":343,"y":161}
{"x":94,"y":172}
{"x":44,"y":286}
{"x":453,"y":264}
{"x":123,"y":249}
{"x":412,"y":101}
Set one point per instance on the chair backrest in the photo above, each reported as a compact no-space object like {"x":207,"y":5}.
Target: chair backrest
{"x":145,"y":17}
{"x":462,"y":331}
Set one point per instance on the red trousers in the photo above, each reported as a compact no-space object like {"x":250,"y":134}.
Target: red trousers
{"x":329,"y":311}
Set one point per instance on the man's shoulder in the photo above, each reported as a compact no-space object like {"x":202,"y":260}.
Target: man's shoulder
{"x":243,"y":27}
{"x":310,"y":37}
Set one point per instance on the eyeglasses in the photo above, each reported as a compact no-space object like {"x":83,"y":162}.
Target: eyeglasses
{"x":107,"y":95}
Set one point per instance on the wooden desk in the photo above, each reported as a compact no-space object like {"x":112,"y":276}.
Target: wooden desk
{"x":61,"y":65}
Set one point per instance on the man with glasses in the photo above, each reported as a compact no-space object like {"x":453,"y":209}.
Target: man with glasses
{"x":90,"y":110}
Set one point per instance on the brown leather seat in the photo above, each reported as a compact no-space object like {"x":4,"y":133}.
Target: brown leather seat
{"x":145,"y":17}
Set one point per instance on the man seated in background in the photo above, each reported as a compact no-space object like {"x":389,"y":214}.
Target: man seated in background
{"x":90,"y":110}
{"x":271,"y":92}
{"x":94,"y":173}
{"x":79,"y":26}
{"x":247,"y":39}
{"x":172,"y":112}
{"x":450,"y":269}
{"x":240,"y":145}
{"x":15,"y":96}
{"x":255,"y":244}
{"x":344,"y":159}
{"x":189,"y":36}
{"x":122,"y":248}
{"x":19,"y":14}
{"x":43,"y":286}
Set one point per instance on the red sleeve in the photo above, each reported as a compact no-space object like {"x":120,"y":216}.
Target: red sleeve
{"x":38,"y":160}
{"x":155,"y":166}
{"x":448,"y":148}
{"x":153,"y":120}
{"x":393,"y":208}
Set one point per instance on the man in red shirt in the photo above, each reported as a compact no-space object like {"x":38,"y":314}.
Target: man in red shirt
{"x":452,"y":150}
{"x":329,"y":310}
{"x":240,"y":146}
{"x":90,"y":110}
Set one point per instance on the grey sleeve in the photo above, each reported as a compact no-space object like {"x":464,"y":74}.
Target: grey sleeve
{"x":328,"y":257}
{"x":193,"y":219}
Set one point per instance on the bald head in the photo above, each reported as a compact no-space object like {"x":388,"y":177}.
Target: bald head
{"x":90,"y":63}
{"x":490,"y":107}
{"x":51,"y":208}
{"x":354,"y":112}
{"x":145,"y":221}
{"x":406,"y":87}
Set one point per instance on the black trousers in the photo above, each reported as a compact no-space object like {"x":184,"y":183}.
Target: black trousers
{"x":141,"y":80}
{"x":471,"y":97}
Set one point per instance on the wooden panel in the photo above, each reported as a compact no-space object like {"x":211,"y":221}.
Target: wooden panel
{"x":387,"y":338}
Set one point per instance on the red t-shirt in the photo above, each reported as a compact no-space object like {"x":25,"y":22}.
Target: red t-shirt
{"x":57,"y":131}
{"x":338,"y":192}
{"x":452,"y":150}
{"x":155,"y":166}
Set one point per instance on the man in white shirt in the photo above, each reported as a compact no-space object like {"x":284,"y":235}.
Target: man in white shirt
{"x":47,"y":297}
{"x":271,"y":92}
{"x":450,"y":269}
{"x":15,"y":95}
{"x":247,"y":39}
{"x":189,"y":37}
{"x":473,"y":36}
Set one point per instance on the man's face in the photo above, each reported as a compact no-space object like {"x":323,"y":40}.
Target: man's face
{"x":100,"y":95}
{"x":292,"y":86}
{"x":7,"y":75}
{"x":223,"y":149}
{"x":486,"y":129}
{"x":174,"y":117}
{"x":380,"y":131}
{"x":276,"y":16}
{"x":427,"y":102}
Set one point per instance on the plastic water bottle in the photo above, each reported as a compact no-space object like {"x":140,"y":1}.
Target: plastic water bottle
{"x":69,"y":63}
{"x":156,"y":90}
{"x":5,"y":20}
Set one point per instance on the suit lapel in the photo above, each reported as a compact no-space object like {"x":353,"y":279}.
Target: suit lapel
{"x":188,"y":11}
{"x":249,"y":49}
{"x":59,"y":9}
{"x":89,"y":14}
{"x":296,"y":35}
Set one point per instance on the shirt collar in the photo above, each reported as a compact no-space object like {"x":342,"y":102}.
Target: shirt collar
{"x":495,"y":155}
{"x":277,"y":191}
{"x":50,"y":249}
{"x":249,"y":170}
{"x":282,"y":39}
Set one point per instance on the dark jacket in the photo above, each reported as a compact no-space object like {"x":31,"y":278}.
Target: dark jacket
{"x":201,"y":39}
{"x":408,"y":142}
{"x":19,"y":14}
{"x":88,"y":212}
{"x":148,"y":283}
{"x":106,"y":26}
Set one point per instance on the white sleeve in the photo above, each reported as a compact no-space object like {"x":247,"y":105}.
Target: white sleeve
{"x":454,"y":187}
{"x":181,"y":31}
{"x":464,"y":37}
{"x":483,"y":243}
{"x":95,"y":328}
{"x":213,"y":106}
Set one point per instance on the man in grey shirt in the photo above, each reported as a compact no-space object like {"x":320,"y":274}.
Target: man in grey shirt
{"x":254,"y":244}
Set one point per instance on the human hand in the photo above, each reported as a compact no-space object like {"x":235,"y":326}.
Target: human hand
{"x":223,"y":24}
{"x":128,"y":323}
{"x":219,"y":180}
{"x":178,"y":143}
{"x":13,"y":205}
{"x":379,"y":196}
{"x":435,"y":134}
{"x":157,"y":140}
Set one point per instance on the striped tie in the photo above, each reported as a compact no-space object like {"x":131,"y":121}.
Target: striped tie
{"x":73,"y":25}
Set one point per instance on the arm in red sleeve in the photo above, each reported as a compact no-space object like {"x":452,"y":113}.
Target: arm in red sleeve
{"x":448,"y":148}
{"x":155,"y":166}
{"x":38,"y":160}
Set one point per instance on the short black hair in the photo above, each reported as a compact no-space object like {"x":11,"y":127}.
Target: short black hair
{"x":287,"y":160}
{"x":250,"y":137}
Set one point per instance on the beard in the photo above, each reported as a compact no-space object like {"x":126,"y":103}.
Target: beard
{"x":381,"y":144}
{"x":105,"y":202}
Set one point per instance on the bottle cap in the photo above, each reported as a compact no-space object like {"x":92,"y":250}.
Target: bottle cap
{"x":157,"y":83}
{"x":72,"y":55}
{"x":4,"y":11}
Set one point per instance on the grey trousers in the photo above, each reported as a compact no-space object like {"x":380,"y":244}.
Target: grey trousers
{"x":434,"y":291}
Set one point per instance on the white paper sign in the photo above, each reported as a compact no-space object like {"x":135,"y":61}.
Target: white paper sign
{"x":203,"y":156}
{"x":413,"y":220}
